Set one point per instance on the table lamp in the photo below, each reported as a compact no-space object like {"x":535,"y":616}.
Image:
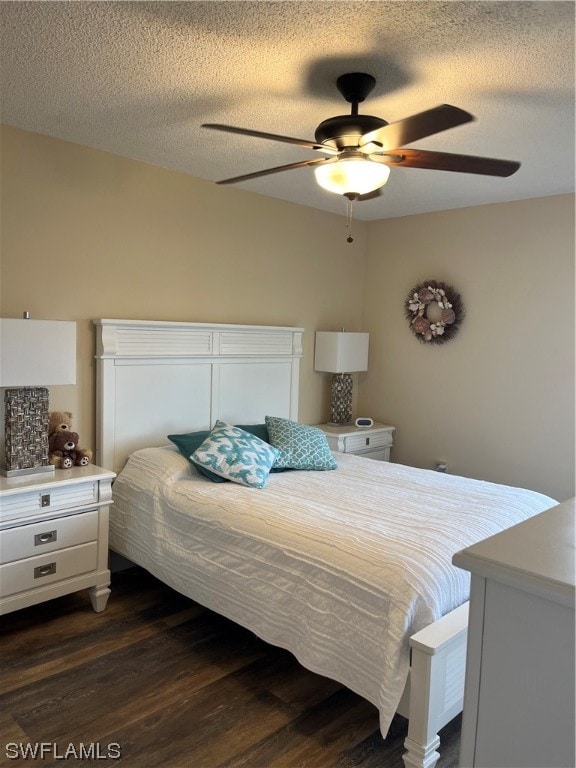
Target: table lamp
{"x":34,"y":354}
{"x":341,"y":354}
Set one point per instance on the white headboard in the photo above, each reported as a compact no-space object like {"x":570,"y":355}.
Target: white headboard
{"x":159,"y":378}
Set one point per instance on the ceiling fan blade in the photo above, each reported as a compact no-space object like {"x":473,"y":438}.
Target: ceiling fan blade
{"x":417,"y":127}
{"x":289,"y":167}
{"x":270,"y":136}
{"x":444,"y":161}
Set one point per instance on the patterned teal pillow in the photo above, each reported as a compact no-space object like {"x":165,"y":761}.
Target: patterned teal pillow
{"x":300,"y":446}
{"x":235,"y":454}
{"x":189,"y":441}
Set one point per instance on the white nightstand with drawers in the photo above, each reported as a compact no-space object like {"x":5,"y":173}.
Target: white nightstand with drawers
{"x":54,"y":536}
{"x":371,"y":442}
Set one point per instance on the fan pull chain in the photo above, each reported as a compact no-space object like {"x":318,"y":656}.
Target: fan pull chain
{"x":349,"y":201}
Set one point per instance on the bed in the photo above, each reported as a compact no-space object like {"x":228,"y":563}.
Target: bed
{"x":348,"y":569}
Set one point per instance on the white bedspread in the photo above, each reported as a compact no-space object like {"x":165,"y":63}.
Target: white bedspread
{"x":339,"y":567}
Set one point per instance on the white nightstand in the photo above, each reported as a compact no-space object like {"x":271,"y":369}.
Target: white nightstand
{"x":54,"y":536}
{"x":371,"y":442}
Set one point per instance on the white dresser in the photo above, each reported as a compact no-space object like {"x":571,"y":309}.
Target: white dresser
{"x":372,"y":442}
{"x":520,"y":672}
{"x":54,"y":536}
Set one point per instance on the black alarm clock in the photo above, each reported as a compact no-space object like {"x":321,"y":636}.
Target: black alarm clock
{"x":364,"y":421}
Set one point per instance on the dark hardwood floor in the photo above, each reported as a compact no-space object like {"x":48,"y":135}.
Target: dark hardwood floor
{"x":165,"y":682}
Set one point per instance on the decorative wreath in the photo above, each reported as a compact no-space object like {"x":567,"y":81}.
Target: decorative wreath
{"x":434,"y":330}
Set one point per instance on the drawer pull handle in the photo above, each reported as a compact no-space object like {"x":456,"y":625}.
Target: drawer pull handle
{"x":44,"y":570}
{"x":45,"y":500}
{"x":367,"y":441}
{"x":45,"y":538}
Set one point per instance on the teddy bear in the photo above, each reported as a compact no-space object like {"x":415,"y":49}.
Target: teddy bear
{"x":60,"y":421}
{"x":64,"y":451}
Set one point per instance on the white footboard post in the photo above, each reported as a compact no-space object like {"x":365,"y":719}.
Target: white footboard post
{"x":436,"y":685}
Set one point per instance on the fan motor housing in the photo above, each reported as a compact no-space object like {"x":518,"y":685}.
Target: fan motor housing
{"x":345,"y":130}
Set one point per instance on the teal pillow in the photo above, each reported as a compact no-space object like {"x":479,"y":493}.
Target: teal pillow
{"x":187,"y":444}
{"x":300,"y":446}
{"x":189,"y":441}
{"x":235,"y":454}
{"x":260,"y":430}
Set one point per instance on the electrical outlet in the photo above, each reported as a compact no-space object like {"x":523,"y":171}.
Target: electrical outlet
{"x":441,"y":467}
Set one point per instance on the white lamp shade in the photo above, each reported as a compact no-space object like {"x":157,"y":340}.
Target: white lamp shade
{"x":37,"y":353}
{"x":352,"y":176}
{"x":341,"y":352}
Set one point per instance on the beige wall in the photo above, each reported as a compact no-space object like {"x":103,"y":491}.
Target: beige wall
{"x":496,"y":402}
{"x":86,"y":234}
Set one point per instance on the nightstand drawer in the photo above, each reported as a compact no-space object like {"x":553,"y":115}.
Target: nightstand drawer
{"x":360,"y":442}
{"x":35,"y":572}
{"x":381,"y":454}
{"x":46,"y":500}
{"x":38,"y":538}
{"x":372,"y":442}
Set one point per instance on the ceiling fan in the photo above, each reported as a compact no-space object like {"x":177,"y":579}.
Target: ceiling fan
{"x":361,"y":148}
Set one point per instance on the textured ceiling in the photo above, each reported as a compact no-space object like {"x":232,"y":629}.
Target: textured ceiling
{"x":138,"y":79}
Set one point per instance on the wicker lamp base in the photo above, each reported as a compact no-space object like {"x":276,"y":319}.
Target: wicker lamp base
{"x":341,"y":405}
{"x":25,"y":431}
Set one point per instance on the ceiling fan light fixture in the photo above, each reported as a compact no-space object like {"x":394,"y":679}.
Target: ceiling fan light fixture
{"x":356,"y":175}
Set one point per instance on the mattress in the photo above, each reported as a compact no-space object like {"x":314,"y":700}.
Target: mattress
{"x":339,"y":567}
